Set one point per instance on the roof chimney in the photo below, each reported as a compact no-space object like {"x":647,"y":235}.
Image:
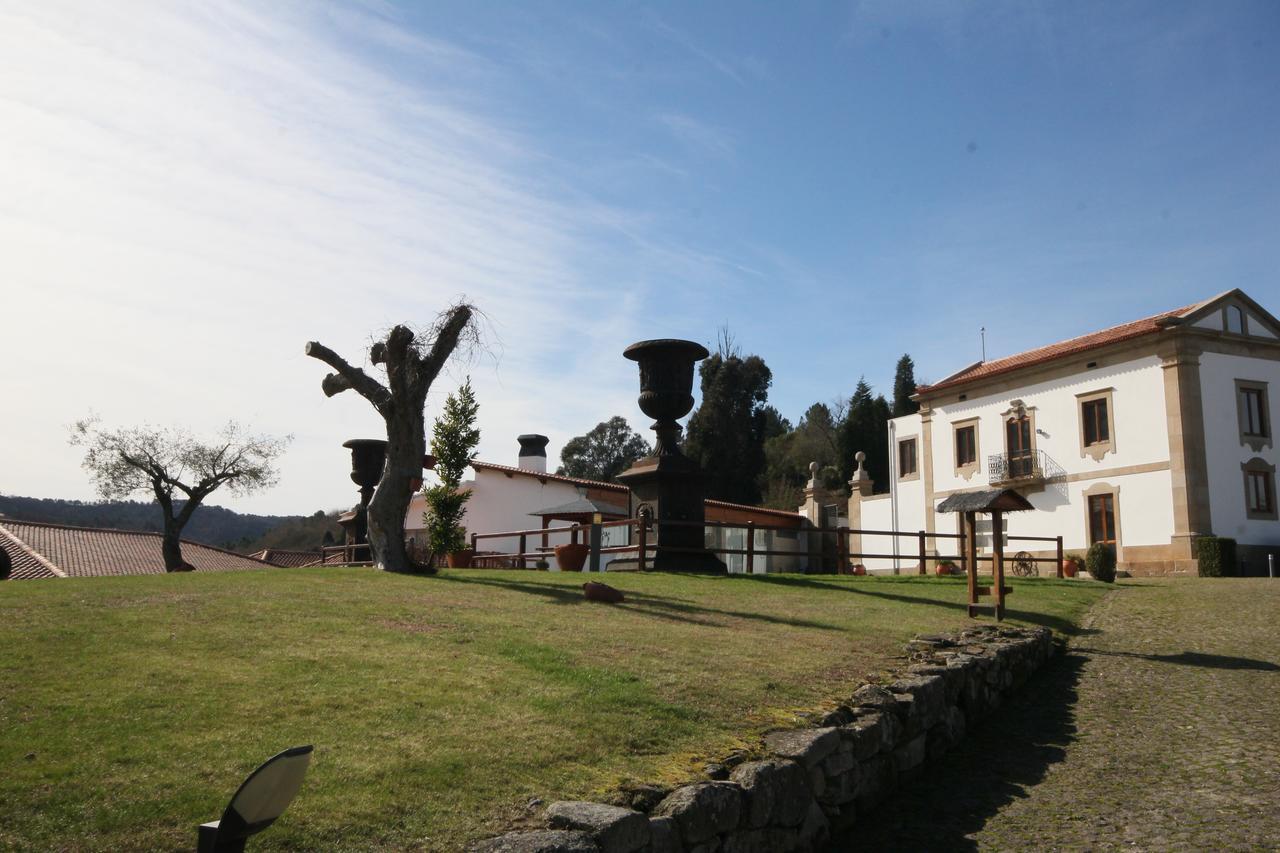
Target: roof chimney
{"x":533,"y":452}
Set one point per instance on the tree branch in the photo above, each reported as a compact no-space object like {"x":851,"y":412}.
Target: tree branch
{"x":445,"y":343}
{"x":348,"y":377}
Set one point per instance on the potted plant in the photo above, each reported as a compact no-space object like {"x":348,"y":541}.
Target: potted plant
{"x":1071,"y":565}
{"x":572,"y":557}
{"x":946,"y":568}
{"x":542,"y":565}
{"x":859,"y":569}
{"x":1100,"y":560}
{"x":453,"y":442}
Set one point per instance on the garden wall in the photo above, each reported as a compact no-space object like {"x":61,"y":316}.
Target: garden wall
{"x":811,"y":782}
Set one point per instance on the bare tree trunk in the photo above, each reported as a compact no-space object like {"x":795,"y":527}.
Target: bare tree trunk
{"x":171,"y":548}
{"x":401,"y":403}
{"x":406,"y":445}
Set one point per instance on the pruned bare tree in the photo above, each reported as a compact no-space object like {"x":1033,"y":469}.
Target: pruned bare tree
{"x":179,"y":469}
{"x":412,"y":364}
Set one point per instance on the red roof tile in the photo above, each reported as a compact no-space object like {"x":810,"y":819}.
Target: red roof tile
{"x":289,"y":557}
{"x":93,"y":552}
{"x":477,"y":465}
{"x":1074,"y":346}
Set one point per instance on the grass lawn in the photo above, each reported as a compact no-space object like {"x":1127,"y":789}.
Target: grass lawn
{"x":131,"y":707}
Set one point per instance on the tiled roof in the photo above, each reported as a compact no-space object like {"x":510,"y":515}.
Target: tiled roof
{"x":477,"y":465}
{"x":748,"y":508}
{"x":67,"y":551}
{"x":23,"y":564}
{"x":286,"y":556}
{"x":1074,"y":346}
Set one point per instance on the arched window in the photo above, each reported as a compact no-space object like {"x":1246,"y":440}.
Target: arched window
{"x":1235,"y":320}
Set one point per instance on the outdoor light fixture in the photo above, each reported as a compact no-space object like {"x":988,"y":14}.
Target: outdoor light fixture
{"x":260,"y":801}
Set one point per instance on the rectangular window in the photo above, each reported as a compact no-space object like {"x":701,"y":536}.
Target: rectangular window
{"x":1261,"y":492}
{"x":1102,"y":519}
{"x":907,"y":457}
{"x":966,"y":446}
{"x":1096,"y":428}
{"x":1253,"y":412}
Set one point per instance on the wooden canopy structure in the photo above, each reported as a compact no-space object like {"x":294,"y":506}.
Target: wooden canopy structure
{"x":582,"y":511}
{"x":994,"y":502}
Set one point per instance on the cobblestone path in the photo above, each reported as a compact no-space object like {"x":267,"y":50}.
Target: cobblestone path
{"x":1160,"y":730}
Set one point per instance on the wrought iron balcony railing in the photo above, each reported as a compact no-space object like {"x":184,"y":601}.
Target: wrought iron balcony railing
{"x":1024,"y":466}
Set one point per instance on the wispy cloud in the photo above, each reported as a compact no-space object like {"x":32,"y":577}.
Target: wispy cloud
{"x":697,"y":134}
{"x":191,"y":194}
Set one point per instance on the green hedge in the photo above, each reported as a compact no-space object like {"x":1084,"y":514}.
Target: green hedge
{"x":1216,"y":556}
{"x":1101,"y":562}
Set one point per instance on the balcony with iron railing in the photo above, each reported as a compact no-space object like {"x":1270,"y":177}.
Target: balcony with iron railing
{"x":1022,"y":468}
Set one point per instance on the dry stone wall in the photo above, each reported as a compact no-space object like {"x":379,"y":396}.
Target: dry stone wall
{"x":814,"y":781}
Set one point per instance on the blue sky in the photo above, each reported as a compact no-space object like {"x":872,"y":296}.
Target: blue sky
{"x":194,"y":191}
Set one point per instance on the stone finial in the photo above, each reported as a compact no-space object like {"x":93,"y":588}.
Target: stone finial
{"x":860,"y":483}
{"x":813,"y":474}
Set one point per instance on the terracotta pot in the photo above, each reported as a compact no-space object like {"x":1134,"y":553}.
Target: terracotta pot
{"x":859,"y":569}
{"x":602,"y":592}
{"x":571,"y":558}
{"x":460,"y":559}
{"x":1069,"y":568}
{"x":945,"y":569}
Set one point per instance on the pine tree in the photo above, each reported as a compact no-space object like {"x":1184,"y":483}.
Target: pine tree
{"x":904,"y":385}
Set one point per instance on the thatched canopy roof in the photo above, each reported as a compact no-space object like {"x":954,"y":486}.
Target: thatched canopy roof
{"x":985,"y":500}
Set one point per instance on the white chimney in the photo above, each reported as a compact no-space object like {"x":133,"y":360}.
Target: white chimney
{"x":533,"y":452}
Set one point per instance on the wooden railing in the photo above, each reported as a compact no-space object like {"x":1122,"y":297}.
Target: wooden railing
{"x":352,"y":555}
{"x":643,"y":547}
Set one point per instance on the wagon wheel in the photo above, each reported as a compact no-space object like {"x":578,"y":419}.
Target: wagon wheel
{"x":1023,"y":565}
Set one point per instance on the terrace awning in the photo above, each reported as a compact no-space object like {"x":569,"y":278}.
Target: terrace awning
{"x":985,"y":500}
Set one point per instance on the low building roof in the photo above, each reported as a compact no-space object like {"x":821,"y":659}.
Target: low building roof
{"x":510,"y":470}
{"x":287,"y":557}
{"x":39,"y":550}
{"x":985,"y":500}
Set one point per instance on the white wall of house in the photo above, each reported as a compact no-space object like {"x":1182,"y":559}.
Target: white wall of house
{"x":500,"y":503}
{"x":1136,"y":466}
{"x":1225,"y":453}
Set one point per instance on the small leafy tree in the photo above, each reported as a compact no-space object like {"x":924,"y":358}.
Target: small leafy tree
{"x":604,"y":452}
{"x":178,"y":468}
{"x":453,"y":442}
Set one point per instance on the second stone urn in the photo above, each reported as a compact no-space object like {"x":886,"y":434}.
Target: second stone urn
{"x":668,"y":484}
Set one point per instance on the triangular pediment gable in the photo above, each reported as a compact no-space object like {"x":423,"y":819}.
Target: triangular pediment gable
{"x":1212,"y":315}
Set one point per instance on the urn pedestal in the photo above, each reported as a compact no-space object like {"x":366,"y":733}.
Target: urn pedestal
{"x":668,"y":485}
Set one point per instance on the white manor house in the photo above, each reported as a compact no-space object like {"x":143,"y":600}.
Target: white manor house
{"x":1146,"y":435}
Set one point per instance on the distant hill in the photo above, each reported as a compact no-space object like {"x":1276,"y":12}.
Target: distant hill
{"x":210,"y":525}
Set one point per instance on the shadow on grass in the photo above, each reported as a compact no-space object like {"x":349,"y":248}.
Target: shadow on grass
{"x":660,"y":606}
{"x":1057,"y":623}
{"x":1199,"y":659}
{"x":1000,"y":760}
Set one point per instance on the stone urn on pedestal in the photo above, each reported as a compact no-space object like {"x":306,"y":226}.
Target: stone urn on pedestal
{"x":368,"y":456}
{"x":668,"y":484}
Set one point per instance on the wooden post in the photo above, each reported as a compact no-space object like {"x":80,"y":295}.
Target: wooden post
{"x":546,"y":522}
{"x":523,"y":544}
{"x":923,"y":570}
{"x":751,"y":547}
{"x":971,"y":560}
{"x":842,"y":550}
{"x":642,"y":533}
{"x":1059,"y":557}
{"x":997,"y":564}
{"x":594,"y":542}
